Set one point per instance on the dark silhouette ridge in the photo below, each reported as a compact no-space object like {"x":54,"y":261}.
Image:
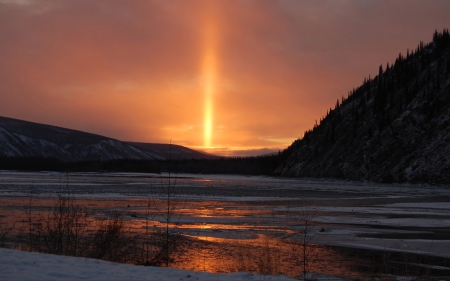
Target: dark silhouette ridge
{"x":393,"y":128}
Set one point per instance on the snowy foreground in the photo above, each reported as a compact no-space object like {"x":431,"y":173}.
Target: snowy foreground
{"x":19,"y":265}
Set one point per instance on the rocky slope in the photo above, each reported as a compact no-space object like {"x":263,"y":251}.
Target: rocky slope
{"x":393,"y":128}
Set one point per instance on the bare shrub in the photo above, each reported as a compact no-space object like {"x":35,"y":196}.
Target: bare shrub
{"x":110,"y":241}
{"x":305,"y":248}
{"x":164,"y":239}
{"x":168,"y":238}
{"x":269,"y":256}
{"x":63,"y":229}
{"x":6,"y":231}
{"x":161,"y":240}
{"x":33,"y":222}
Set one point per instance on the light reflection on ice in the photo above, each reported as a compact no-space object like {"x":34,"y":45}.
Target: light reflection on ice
{"x":221,"y":209}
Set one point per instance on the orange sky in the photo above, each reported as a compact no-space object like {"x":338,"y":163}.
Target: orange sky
{"x":231,"y":77}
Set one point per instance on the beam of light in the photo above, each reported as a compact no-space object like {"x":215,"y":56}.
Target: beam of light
{"x":208,"y":109}
{"x":209,"y":74}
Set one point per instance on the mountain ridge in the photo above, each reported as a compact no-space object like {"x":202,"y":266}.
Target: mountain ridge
{"x":19,"y":138}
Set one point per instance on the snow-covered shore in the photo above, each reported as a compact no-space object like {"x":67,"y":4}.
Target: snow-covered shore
{"x":20,"y":265}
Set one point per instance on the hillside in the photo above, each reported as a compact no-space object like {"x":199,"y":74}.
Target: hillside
{"x":393,"y":128}
{"x":23,"y":139}
{"x":172,"y":151}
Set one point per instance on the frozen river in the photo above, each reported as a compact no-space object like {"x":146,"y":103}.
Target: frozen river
{"x":237,"y":223}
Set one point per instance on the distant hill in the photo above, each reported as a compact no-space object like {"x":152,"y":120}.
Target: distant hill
{"x":172,"y":151}
{"x":23,"y":139}
{"x":393,"y":128}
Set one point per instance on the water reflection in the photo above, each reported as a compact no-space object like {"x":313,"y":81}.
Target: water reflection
{"x":218,"y":236}
{"x":263,"y":254}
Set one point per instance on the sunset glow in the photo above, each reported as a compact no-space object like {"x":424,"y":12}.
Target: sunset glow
{"x":228,"y":77}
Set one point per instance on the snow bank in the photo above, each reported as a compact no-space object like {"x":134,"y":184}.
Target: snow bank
{"x":19,"y":265}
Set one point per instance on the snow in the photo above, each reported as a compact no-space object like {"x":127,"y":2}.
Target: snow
{"x":434,"y":205}
{"x":19,"y":265}
{"x":417,"y":246}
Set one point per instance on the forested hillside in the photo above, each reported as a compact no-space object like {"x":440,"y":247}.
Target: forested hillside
{"x":395,"y":127}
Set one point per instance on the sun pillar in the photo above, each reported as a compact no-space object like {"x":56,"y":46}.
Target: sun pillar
{"x":208,"y":110}
{"x":209,"y":82}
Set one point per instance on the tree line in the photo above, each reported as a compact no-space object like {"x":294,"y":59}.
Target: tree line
{"x":256,"y":165}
